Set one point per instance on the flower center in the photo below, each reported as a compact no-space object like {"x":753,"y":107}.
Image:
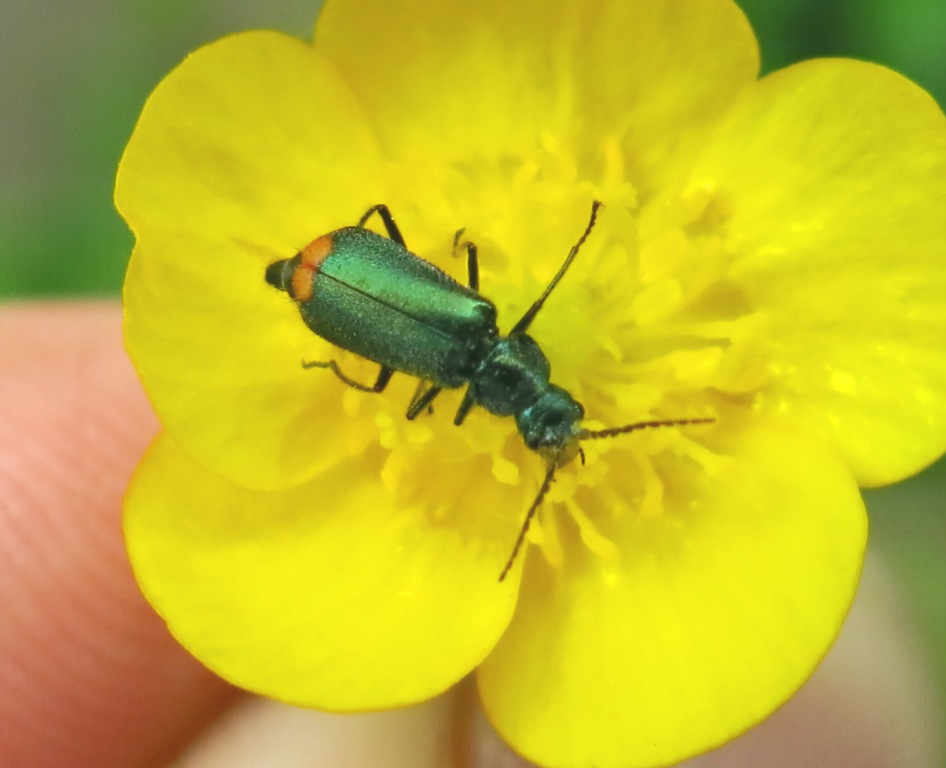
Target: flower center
{"x":645,"y":325}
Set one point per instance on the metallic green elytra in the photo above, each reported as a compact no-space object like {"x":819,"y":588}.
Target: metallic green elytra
{"x":368,"y":294}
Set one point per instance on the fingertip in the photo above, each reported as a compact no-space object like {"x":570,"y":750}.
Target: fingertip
{"x":260,"y":732}
{"x":91,"y":676}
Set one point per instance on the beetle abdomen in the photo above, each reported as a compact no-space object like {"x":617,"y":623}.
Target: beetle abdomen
{"x":369,"y":295}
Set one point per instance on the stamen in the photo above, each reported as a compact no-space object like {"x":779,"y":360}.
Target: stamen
{"x":549,"y":540}
{"x":651,"y":501}
{"x":597,"y":542}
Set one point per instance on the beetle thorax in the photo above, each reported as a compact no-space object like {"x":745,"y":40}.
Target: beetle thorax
{"x":512,"y":377}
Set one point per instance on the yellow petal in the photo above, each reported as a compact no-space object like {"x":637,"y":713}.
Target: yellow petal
{"x":831,"y":177}
{"x":327,"y":596}
{"x":253,"y":138}
{"x":717,"y":610}
{"x":488,"y":78}
{"x":247,"y":151}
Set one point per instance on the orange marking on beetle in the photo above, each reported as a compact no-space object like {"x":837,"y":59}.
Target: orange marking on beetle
{"x":312,"y":257}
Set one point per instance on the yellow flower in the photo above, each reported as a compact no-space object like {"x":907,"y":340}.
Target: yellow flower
{"x":771,"y":253}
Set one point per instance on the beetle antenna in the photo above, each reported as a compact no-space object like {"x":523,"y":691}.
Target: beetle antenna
{"x":546,"y":484}
{"x":587,"y":434}
{"x":594,"y":434}
{"x":526,"y":320}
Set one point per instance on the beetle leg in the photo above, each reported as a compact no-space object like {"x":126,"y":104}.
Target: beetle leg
{"x":418,"y":392}
{"x":384,"y":375}
{"x":382,"y":210}
{"x":421,"y":400}
{"x":472,"y":259}
{"x":466,"y":404}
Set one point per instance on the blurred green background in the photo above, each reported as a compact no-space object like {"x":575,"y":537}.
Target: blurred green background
{"x":74,"y":76}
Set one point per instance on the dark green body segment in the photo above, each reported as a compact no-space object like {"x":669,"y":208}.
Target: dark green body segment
{"x":374,"y":298}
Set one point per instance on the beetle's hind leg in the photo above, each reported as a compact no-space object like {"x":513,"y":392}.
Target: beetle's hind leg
{"x":384,"y":375}
{"x":385,"y":213}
